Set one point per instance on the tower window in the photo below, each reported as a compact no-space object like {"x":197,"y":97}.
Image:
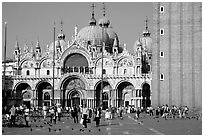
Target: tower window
{"x":161,"y":31}
{"x":162,"y":76}
{"x":104,"y":71}
{"x":125,"y":71}
{"x":161,"y":9}
{"x":161,"y":54}
{"x":27,"y":72}
{"x":48,"y":72}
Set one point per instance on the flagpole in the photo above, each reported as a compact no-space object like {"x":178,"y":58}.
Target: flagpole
{"x":101,"y":95}
{"x":5,"y":59}
{"x":53,"y":90}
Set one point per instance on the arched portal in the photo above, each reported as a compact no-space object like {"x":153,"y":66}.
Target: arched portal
{"x":105,"y":95}
{"x":75,"y":63}
{"x":41,"y":89}
{"x":22,"y":94}
{"x":72,"y":90}
{"x":146,"y":102}
{"x":124,"y":93}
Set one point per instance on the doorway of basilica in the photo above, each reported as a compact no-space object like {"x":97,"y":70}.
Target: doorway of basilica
{"x":104,"y":97}
{"x":73,"y":88}
{"x":124,"y":94}
{"x":75,"y":98}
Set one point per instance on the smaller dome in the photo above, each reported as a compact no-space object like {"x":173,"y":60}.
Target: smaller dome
{"x":104,"y":22}
{"x":92,"y":21}
{"x":146,"y":32}
{"x":146,"y":43}
{"x":112,"y":35}
{"x":58,"y":44}
{"x":61,"y":36}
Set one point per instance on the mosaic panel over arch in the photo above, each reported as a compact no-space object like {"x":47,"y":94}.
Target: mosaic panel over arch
{"x":125,"y":62}
{"x":46,"y":63}
{"x":28,"y":64}
{"x":106,"y":62}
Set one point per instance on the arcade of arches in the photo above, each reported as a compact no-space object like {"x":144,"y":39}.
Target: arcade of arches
{"x":73,"y":89}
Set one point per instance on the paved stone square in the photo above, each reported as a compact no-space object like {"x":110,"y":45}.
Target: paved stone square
{"x":146,"y":125}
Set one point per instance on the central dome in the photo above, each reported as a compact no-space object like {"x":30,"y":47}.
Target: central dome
{"x":93,"y":34}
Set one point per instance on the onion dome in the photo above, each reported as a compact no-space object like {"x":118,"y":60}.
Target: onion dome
{"x":92,"y":21}
{"x":146,"y":43}
{"x":104,"y":22}
{"x":61,"y":36}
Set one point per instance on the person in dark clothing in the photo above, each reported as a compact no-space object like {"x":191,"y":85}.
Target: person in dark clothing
{"x":75,"y":114}
{"x":97,"y":116}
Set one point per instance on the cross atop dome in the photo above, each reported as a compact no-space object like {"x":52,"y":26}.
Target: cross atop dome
{"x":146,"y":32}
{"x":61,"y":23}
{"x":104,"y":9}
{"x":92,"y":21}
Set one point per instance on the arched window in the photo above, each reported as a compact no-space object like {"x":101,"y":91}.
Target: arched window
{"x":27,"y":72}
{"x":48,"y":72}
{"x":46,"y":96}
{"x":105,"y":96}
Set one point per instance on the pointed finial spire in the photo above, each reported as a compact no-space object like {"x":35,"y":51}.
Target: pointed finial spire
{"x":37,"y":44}
{"x":75,"y":31}
{"x":93,"y":6}
{"x":115,"y":44}
{"x":17,"y":45}
{"x":104,"y":9}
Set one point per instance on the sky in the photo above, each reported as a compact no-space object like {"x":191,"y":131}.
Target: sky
{"x":28,"y":22}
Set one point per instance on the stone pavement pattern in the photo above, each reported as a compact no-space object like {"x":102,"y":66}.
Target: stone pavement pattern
{"x":146,"y":125}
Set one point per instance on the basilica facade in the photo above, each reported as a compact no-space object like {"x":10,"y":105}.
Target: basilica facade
{"x":93,"y":68}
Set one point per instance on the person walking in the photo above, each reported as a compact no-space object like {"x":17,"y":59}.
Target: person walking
{"x":84,"y":115}
{"x":44,"y":112}
{"x":13,"y":115}
{"x":26,"y":115}
{"x":59,"y":112}
{"x":97,"y":116}
{"x":52,"y":114}
{"x":75,"y":114}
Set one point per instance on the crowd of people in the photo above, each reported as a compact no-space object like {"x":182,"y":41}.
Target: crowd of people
{"x":84,"y":115}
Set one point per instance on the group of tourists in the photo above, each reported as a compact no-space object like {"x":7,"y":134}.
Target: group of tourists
{"x":84,"y":115}
{"x":168,"y":112}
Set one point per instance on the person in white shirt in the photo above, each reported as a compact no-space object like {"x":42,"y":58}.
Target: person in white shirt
{"x":13,"y":115}
{"x":59,"y":112}
{"x":26,"y":115}
{"x":44,"y":112}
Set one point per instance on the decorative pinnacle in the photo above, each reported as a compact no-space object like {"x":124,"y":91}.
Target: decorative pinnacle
{"x":104,"y":9}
